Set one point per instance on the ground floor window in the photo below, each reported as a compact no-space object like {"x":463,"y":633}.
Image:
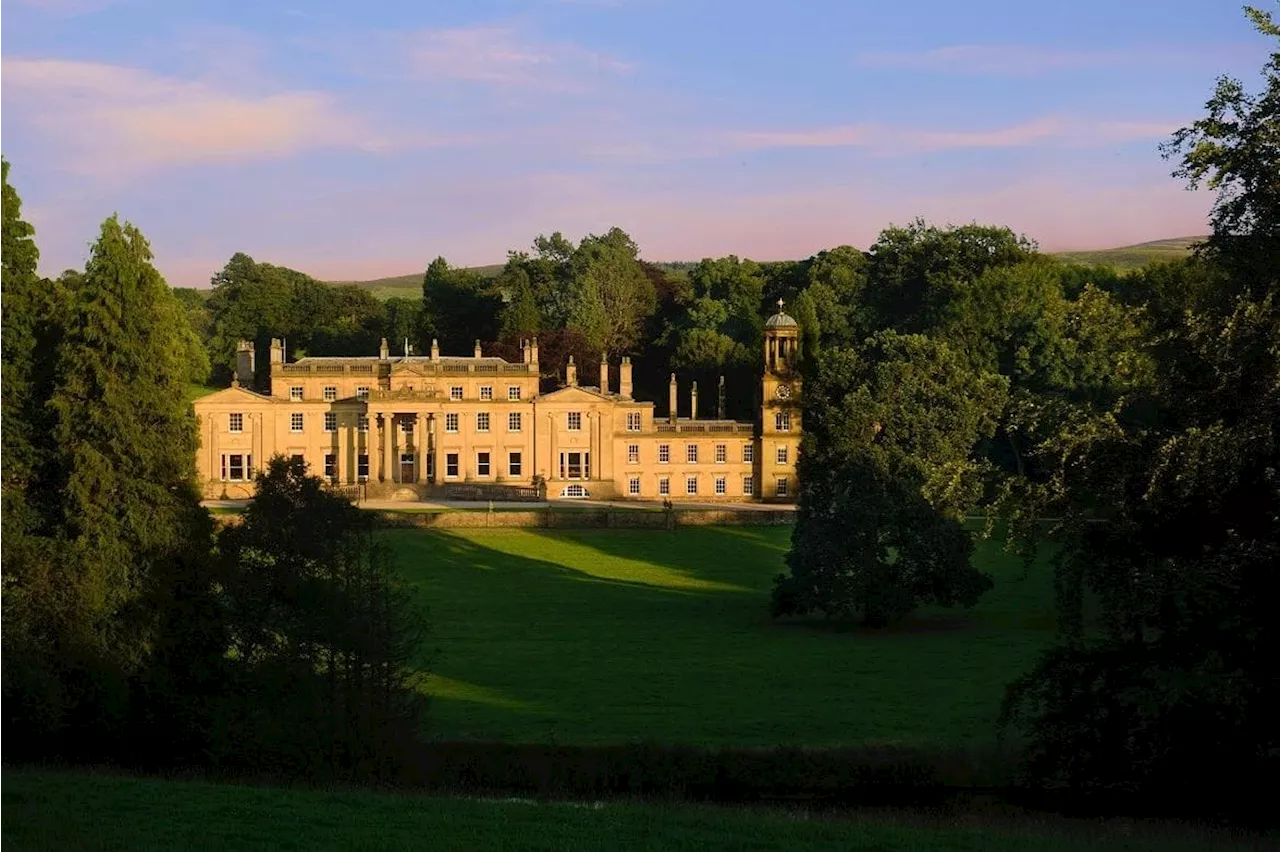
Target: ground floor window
{"x":330,"y":466}
{"x":297,"y":458}
{"x":482,"y":464}
{"x":721,"y":488}
{"x":691,"y":485}
{"x":633,"y":486}
{"x":450,"y":464}
{"x":748,"y":486}
{"x":664,"y":486}
{"x":575,"y":490}
{"x":782,"y":486}
{"x":362,"y":466}
{"x":237,"y":467}
{"x":514,"y":466}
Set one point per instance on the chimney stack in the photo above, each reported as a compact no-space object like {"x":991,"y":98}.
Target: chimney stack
{"x":693,"y":402}
{"x":720,"y":403}
{"x":524,"y":351}
{"x":624,"y":378}
{"x":604,"y":372}
{"x":435,"y":349}
{"x":277,"y":351}
{"x":571,"y":373}
{"x":671,"y":399}
{"x":245,"y":362}
{"x":533,"y":352}
{"x":384,"y":351}
{"x":477,"y":348}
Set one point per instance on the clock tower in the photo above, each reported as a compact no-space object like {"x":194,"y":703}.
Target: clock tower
{"x":780,"y":407}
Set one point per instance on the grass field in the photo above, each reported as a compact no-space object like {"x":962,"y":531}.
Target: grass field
{"x":591,"y":636}
{"x":53,"y":810}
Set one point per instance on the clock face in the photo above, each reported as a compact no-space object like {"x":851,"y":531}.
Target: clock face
{"x":784,"y":392}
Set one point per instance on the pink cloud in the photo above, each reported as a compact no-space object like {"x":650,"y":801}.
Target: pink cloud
{"x":134,"y":120}
{"x":890,"y":140}
{"x":1029,"y":60}
{"x":503,"y":56}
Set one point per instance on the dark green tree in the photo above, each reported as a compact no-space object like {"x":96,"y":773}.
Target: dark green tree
{"x":612,"y":295}
{"x":125,"y":435}
{"x":887,"y":470}
{"x":1171,"y":507}
{"x":458,"y":308}
{"x":326,"y":638}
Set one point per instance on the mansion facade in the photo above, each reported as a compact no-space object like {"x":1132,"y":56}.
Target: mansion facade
{"x":413,"y":427}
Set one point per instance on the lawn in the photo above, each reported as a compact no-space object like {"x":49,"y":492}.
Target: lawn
{"x":590,"y":636}
{"x":51,"y":810}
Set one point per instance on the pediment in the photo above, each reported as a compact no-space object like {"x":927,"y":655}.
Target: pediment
{"x":231,"y":395}
{"x":574,"y":394}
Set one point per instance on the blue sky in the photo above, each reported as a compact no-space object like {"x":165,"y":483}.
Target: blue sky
{"x":355,"y":140}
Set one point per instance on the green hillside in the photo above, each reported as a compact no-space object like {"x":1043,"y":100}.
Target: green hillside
{"x":1133,"y":257}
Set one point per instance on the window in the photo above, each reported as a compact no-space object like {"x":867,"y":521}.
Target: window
{"x":331,"y":421}
{"x":691,"y":453}
{"x":362,"y":422}
{"x":749,"y":486}
{"x":330,"y":466}
{"x":406,"y":425}
{"x":482,"y":421}
{"x":664,"y":486}
{"x":514,"y":423}
{"x":513,"y":392}
{"x":633,"y":421}
{"x":633,"y":453}
{"x":514,"y":467}
{"x":782,"y":421}
{"x":722,"y":454}
{"x":482,"y":464}
{"x":362,"y":466}
{"x":782,"y":486}
{"x":330,"y":393}
{"x":237,"y":467}
{"x":486,"y":392}
{"x":451,"y":464}
{"x":455,"y":392}
{"x":295,"y":421}
{"x":451,"y":422}
{"x":691,"y":485}
{"x":633,"y":486}
{"x":783,"y":455}
{"x":235,"y":422}
{"x":295,"y":393}
{"x":297,"y":458}
{"x":664,"y":453}
{"x":362,"y":393}
{"x":575,"y":421}
{"x":748,"y":453}
{"x":721,"y":486}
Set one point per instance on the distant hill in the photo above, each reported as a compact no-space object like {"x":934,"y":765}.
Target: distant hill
{"x":1123,"y":258}
{"x":1133,"y":257}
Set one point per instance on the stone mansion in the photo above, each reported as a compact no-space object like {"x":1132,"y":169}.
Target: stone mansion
{"x":418,"y":426}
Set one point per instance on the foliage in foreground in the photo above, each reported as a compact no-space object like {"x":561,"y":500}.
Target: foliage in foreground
{"x":1171,"y":507}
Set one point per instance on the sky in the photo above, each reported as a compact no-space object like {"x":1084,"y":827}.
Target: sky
{"x":360,"y":140}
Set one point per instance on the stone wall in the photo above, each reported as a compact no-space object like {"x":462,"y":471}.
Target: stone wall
{"x":588,"y":519}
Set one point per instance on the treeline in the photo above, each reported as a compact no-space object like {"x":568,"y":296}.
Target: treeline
{"x":132,"y":632}
{"x":1141,"y":414}
{"x":703,"y":320}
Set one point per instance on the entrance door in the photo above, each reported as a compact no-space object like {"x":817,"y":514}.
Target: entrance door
{"x":406,"y":467}
{"x":575,"y":465}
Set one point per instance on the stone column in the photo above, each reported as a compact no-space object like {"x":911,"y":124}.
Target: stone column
{"x":423,"y":440}
{"x":435,"y":444}
{"x":388,"y":447}
{"x":342,"y":467}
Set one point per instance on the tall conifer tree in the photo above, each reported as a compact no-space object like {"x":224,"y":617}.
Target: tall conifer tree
{"x":18,"y":259}
{"x":127,"y":501}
